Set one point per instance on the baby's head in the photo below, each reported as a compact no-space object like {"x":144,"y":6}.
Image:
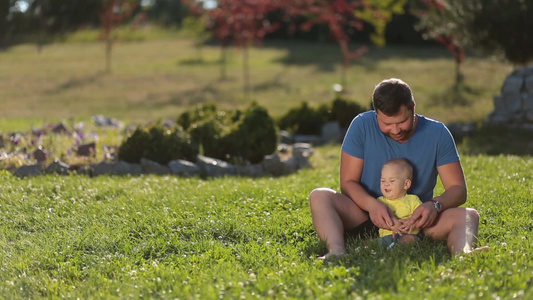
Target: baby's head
{"x":396,"y":177}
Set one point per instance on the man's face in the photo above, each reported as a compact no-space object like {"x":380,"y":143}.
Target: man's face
{"x":398,"y":127}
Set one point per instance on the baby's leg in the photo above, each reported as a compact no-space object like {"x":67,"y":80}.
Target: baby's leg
{"x":409,"y":239}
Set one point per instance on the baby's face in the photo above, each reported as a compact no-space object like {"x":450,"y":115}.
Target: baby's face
{"x":394,"y":183}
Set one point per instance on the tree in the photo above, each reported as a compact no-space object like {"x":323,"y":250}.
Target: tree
{"x":243,"y":23}
{"x":445,"y":22}
{"x":494,"y":26}
{"x":343,"y":18}
{"x":5,"y":6}
{"x":502,"y":27}
{"x":113,"y":12}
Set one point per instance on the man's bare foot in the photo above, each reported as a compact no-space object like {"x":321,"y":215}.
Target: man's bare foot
{"x":330,"y":256}
{"x":477,"y":250}
{"x":473,"y":251}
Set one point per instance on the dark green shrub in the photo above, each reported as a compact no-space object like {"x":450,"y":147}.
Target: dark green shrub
{"x":253,"y":137}
{"x":303,"y":120}
{"x":208,"y":134}
{"x":306,"y":120}
{"x":135,"y":146}
{"x":158,"y":144}
{"x":343,"y":111}
{"x":198,"y":114}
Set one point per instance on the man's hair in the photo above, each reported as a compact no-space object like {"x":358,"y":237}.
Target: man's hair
{"x":390,"y":94}
{"x":404,"y":165}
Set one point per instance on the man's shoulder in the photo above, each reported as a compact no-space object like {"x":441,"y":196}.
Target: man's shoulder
{"x":428,"y":126}
{"x":428,"y":122}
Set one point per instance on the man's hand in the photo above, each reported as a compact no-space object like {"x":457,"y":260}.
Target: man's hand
{"x":381,"y":215}
{"x":424,"y":215}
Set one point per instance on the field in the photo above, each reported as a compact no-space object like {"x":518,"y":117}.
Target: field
{"x":158,"y":79}
{"x":165,"y":237}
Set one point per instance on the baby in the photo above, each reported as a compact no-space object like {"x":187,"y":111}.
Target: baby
{"x":396,"y":179}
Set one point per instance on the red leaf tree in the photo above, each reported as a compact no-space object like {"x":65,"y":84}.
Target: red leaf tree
{"x":443,"y":24}
{"x":343,"y":17}
{"x":243,"y":23}
{"x":113,"y":12}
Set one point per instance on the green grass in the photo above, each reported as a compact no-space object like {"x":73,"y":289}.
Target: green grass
{"x":165,"y":237}
{"x":157,"y":76}
{"x":168,"y":237}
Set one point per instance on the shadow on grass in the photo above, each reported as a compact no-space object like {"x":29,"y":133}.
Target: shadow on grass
{"x":459,"y":94}
{"x":77,"y":82}
{"x":327,"y":56}
{"x":497,"y":140}
{"x":380,"y":269}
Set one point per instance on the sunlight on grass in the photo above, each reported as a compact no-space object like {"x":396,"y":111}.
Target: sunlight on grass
{"x":151,"y":79}
{"x":167,"y":237}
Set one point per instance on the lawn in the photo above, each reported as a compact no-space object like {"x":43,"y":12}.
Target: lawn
{"x":166,"y":237}
{"x":159,"y":78}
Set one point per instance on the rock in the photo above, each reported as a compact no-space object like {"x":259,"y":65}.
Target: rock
{"x":211,"y":167}
{"x":87,"y":150}
{"x":529,"y":83}
{"x":301,"y":152}
{"x":59,"y":128}
{"x":29,"y":170}
{"x":311,"y":139}
{"x":275,"y":166}
{"x":499,"y":104}
{"x":513,"y":84}
{"x":513,"y":102}
{"x":331,"y":133}
{"x":183,"y":168}
{"x":255,"y":170}
{"x":40,"y":154}
{"x":286,"y":137}
{"x":102,"y":121}
{"x":152,"y":167}
{"x":57,"y":167}
{"x":117,"y":168}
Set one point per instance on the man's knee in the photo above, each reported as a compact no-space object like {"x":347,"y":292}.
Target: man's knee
{"x":319,"y":196}
{"x":472,"y":215}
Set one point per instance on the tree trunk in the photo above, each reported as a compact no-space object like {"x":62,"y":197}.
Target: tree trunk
{"x":223,"y":59}
{"x":108,"y":48}
{"x":246,"y":72}
{"x":4,"y":12}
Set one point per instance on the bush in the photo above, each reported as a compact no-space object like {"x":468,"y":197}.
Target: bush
{"x":343,"y":111}
{"x":303,"y":120}
{"x":236,"y":136}
{"x":158,"y":144}
{"x":306,"y":120}
{"x":253,"y":137}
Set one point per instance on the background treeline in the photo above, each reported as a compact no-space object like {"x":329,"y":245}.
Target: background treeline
{"x":44,"y":20}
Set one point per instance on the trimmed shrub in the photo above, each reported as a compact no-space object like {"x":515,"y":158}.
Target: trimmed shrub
{"x":253,"y":137}
{"x":343,"y":111}
{"x":158,"y":144}
{"x":231,"y":136}
{"x":307,"y":120}
{"x":303,"y":120}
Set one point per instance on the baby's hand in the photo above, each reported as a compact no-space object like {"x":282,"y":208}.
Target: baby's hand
{"x":396,"y":228}
{"x":406,"y":226}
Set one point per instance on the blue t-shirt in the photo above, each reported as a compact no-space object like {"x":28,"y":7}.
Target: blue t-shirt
{"x":430,"y":146}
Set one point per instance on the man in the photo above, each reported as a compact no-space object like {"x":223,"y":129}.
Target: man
{"x":394,"y":130}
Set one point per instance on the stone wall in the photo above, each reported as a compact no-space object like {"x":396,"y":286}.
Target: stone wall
{"x":514,"y":106}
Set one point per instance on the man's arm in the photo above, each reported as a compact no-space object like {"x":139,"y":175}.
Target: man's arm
{"x":454,"y":194}
{"x":351,"y":171}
